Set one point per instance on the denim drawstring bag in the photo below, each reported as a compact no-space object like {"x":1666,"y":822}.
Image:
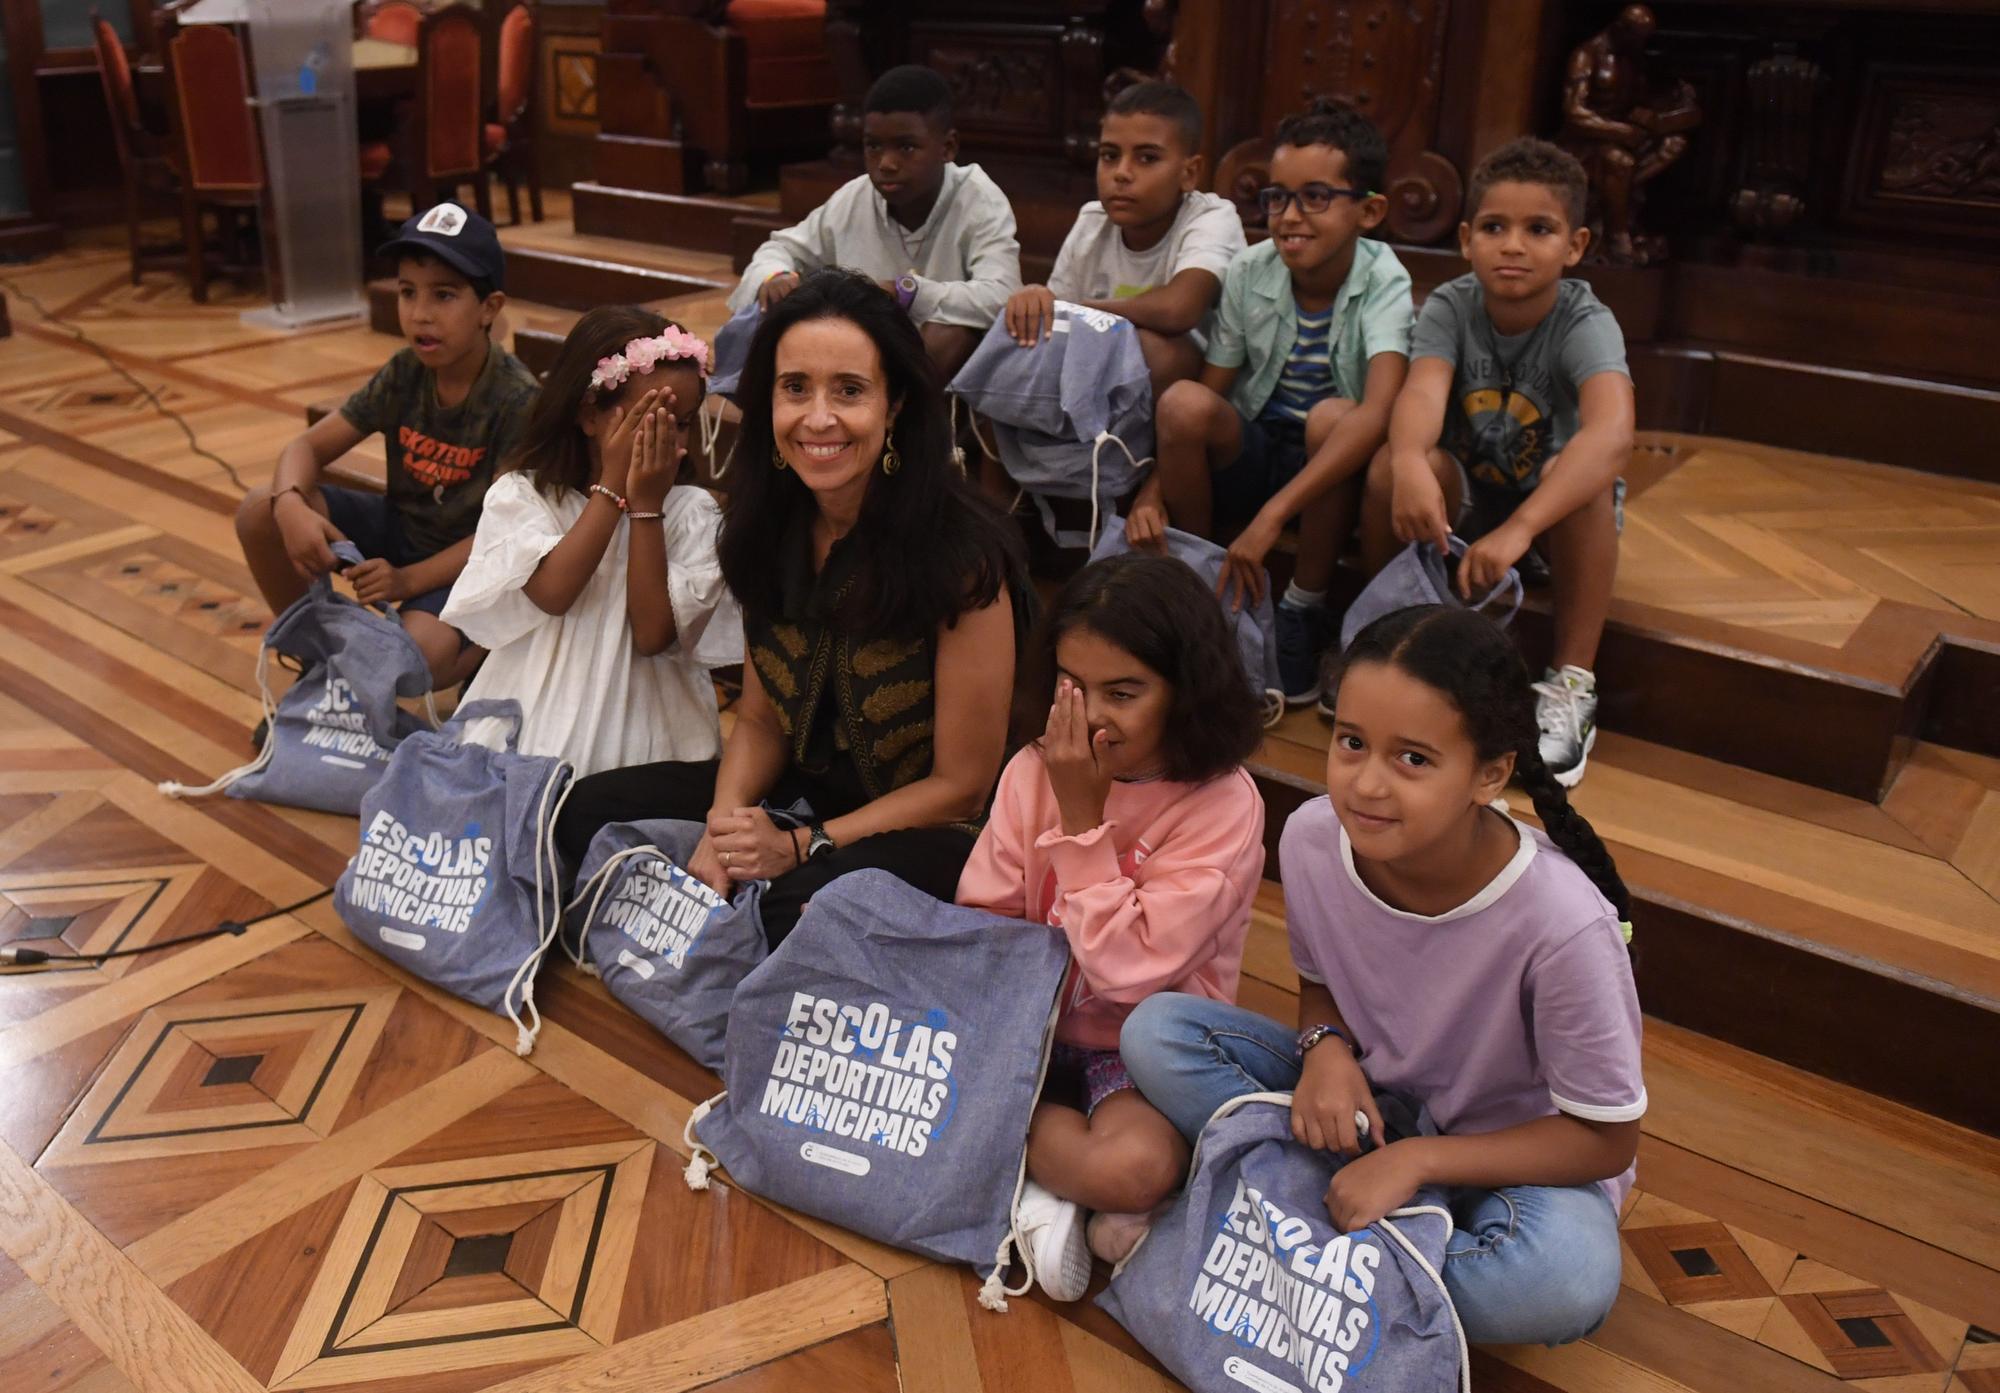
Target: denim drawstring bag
{"x":1245,"y":1283}
{"x":1072,"y":415}
{"x":457,"y":877}
{"x":669,"y":948}
{"x":1420,"y":575}
{"x":882,"y":1065}
{"x":329,"y":738}
{"x":1255,"y":626}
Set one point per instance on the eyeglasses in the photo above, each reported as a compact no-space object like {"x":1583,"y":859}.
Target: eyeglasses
{"x":1313,"y":198}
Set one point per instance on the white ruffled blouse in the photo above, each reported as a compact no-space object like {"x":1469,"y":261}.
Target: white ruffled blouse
{"x":587,"y":695}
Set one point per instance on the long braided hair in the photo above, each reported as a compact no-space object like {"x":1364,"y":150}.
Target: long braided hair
{"x":1469,"y":659}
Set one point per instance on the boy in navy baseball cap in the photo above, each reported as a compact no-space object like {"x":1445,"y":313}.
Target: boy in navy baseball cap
{"x":449,"y":406}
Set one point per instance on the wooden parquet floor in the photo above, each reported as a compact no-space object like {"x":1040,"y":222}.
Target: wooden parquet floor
{"x":271,"y":1160}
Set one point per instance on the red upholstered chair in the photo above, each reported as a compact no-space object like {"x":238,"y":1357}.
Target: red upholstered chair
{"x":216,"y":143}
{"x":784,"y":44}
{"x":143,"y":164}
{"x":395,"y":21}
{"x":510,"y":141}
{"x":445,"y":136}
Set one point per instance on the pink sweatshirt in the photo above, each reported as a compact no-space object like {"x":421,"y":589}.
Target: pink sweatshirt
{"x":1156,"y":899}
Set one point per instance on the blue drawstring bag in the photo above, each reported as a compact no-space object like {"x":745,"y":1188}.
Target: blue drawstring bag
{"x":1255,"y":626}
{"x":457,"y":877}
{"x":882,"y":1065}
{"x":329,"y":739}
{"x":1421,"y":575}
{"x":670,"y":949}
{"x":1245,"y":1283}
{"x":1058,"y":405}
{"x":732,"y":350}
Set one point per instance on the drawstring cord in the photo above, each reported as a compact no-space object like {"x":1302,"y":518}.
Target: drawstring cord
{"x":1105,"y":437}
{"x":994,"y":1291}
{"x":548,"y":921}
{"x":709,"y":424}
{"x":264,"y":755}
{"x":600,"y":881}
{"x":700,"y":1159}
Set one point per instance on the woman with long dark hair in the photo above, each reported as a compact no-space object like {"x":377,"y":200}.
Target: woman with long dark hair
{"x":883,"y":602}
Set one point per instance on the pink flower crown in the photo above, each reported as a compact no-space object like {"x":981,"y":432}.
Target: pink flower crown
{"x":640,"y":356}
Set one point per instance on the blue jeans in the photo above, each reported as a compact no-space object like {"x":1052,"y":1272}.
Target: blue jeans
{"x":1526,"y":1264}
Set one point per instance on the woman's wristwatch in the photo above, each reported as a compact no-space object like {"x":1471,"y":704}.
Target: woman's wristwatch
{"x":1312,"y":1037}
{"x":818,"y":844}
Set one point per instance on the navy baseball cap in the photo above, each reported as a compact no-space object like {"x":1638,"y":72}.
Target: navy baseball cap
{"x":456,"y":236}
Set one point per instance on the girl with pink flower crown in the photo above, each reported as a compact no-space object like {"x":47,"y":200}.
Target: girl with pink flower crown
{"x":593,"y":580}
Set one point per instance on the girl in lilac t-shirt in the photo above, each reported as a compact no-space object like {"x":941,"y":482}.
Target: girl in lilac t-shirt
{"x":1454,"y":957}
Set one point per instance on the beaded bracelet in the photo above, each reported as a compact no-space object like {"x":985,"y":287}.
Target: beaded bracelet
{"x":647,"y":517}
{"x":616,"y":499}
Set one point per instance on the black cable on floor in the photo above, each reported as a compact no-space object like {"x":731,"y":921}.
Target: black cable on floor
{"x":13,"y":955}
{"x":49,"y":316}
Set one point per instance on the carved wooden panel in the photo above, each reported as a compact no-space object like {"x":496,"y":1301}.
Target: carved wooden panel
{"x":1005,"y":87}
{"x":1386,"y":59}
{"x":1927,"y":151}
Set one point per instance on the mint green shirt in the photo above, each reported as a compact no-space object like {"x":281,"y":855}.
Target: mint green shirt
{"x":1258,"y":321}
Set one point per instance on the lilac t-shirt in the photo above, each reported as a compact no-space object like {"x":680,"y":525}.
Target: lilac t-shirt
{"x":1516,"y":1005}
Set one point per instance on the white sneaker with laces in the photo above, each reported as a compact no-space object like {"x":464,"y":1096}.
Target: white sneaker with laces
{"x":1566,"y":712}
{"x":1053,"y":1232}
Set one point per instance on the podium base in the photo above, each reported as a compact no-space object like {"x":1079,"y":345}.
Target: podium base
{"x":278,"y":317}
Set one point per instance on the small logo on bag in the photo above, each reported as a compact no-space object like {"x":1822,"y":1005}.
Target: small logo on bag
{"x":1250,"y":1376}
{"x":834,"y":1159}
{"x":635,"y":964}
{"x":401,"y":938}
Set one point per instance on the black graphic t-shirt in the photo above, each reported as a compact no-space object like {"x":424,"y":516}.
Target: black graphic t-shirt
{"x":442,"y":458}
{"x":1514,"y":396}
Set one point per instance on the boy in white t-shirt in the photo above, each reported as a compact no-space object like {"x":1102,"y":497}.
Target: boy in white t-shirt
{"x":1152,"y":247}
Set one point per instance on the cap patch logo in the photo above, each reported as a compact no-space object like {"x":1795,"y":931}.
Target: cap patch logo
{"x":447,"y":220}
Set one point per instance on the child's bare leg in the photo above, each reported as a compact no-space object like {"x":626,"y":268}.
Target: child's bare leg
{"x":1170,"y":358}
{"x":264,"y":547}
{"x":1326,"y":522}
{"x":451,"y":659}
{"x":1198,"y":431}
{"x":1583,"y":563}
{"x":949,"y":346}
{"x":1124,"y":1158}
{"x":1378,"y":529}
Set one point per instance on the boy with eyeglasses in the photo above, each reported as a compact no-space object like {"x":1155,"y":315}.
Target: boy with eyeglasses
{"x":1310,"y":347}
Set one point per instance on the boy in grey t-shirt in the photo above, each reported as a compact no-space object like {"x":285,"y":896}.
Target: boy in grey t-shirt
{"x":1516,"y":423}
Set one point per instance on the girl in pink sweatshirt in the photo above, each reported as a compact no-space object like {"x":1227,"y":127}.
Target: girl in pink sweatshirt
{"x":1132,"y":826}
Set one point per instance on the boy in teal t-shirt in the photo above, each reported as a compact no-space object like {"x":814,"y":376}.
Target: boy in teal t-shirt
{"x":1309,"y":350}
{"x":1517,"y":423}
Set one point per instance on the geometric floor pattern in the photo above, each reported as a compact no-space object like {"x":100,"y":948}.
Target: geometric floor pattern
{"x":1786,"y":1301}
{"x":271,"y":1161}
{"x":488,"y":1261}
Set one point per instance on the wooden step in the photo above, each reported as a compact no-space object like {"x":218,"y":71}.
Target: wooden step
{"x":1856,"y":941}
{"x":702,"y":222}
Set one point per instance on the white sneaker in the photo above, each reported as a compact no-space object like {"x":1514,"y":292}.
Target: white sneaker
{"x":1053,"y":1233}
{"x":1566,"y":711}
